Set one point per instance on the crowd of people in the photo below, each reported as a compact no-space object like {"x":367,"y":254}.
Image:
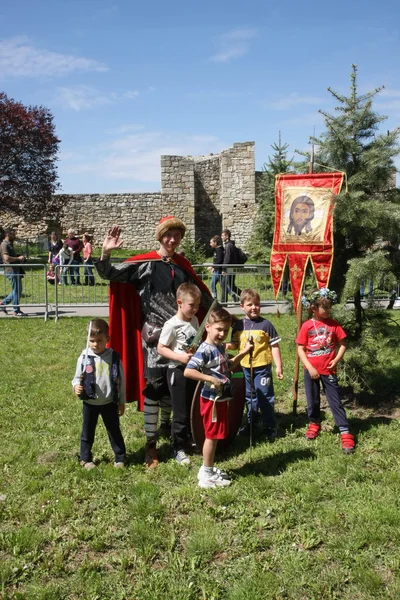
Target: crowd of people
{"x":68,"y":254}
{"x":150,"y":352}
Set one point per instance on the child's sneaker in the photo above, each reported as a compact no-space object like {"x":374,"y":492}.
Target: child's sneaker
{"x":213,"y":481}
{"x":313,"y":431}
{"x":181,"y":457}
{"x":222,"y":474}
{"x":119,"y":465}
{"x":348,"y":443}
{"x":88,"y":465}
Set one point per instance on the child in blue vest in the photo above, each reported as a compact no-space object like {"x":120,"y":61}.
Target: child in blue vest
{"x":99,"y":381}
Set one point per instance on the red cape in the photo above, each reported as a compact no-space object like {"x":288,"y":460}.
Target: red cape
{"x":126,"y":324}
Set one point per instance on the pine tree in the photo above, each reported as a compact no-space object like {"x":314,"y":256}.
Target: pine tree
{"x":369,"y":212}
{"x":261,"y":239}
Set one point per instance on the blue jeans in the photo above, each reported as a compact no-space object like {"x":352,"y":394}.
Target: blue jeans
{"x":16,"y":290}
{"x":262,"y":396}
{"x":216,"y":278}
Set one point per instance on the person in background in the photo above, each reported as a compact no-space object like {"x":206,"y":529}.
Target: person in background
{"x":13,"y":274}
{"x":218,"y":259}
{"x":54,"y":248}
{"x":76,"y":245}
{"x":228,"y":284}
{"x":87,"y":259}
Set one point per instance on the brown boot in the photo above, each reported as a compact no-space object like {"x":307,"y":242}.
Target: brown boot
{"x":150,"y":455}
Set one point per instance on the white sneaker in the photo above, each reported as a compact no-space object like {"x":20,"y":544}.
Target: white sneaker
{"x":222,"y":474}
{"x":212,"y":482}
{"x":181,"y":457}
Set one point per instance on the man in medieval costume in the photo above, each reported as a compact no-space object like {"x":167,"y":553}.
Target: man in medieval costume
{"x":139,"y":310}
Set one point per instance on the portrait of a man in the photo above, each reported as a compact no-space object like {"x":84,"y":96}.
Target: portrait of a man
{"x":301,"y":215}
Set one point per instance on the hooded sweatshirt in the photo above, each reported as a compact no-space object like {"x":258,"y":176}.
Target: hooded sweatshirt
{"x":103,"y":386}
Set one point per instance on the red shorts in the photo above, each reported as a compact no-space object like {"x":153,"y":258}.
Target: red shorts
{"x":218,"y":430}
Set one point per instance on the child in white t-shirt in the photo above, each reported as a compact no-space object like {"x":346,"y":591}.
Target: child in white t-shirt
{"x":176,"y":336}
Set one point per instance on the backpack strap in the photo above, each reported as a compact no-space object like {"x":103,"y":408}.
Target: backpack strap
{"x":114,"y":375}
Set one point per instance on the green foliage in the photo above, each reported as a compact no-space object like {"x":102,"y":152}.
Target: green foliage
{"x":193,"y":250}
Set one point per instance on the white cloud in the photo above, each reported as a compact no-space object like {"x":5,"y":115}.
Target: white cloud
{"x":233,"y":44}
{"x":20,"y":58}
{"x":80,"y":97}
{"x":136,"y":157}
{"x":131,"y":94}
{"x":294,"y":99}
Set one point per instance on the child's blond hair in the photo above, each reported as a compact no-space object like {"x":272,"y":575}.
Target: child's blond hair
{"x":249,"y":294}
{"x":188,"y":289}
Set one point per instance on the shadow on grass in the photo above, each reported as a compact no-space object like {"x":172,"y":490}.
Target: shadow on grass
{"x":275,"y":464}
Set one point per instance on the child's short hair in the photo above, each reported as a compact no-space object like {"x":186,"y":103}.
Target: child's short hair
{"x":219,"y":315}
{"x":249,"y":294}
{"x":98,"y":327}
{"x":188,"y":289}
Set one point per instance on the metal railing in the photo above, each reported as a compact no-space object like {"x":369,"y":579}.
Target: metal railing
{"x":76,"y":286}
{"x":31,"y":287}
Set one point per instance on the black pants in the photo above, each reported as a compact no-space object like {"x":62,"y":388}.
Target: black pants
{"x":228,"y":286}
{"x":313,"y":395}
{"x":181,"y":390}
{"x":109,"y":414}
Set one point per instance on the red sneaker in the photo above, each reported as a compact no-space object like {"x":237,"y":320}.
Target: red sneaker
{"x":348,"y":443}
{"x":312,"y":431}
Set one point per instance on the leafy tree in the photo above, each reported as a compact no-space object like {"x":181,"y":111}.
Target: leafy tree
{"x":368,"y":213}
{"x":28,"y":154}
{"x":261,"y":240}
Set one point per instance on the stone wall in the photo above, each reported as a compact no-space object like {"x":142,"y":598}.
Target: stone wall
{"x":207,"y":192}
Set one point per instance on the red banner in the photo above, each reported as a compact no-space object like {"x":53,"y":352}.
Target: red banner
{"x":303,"y":228}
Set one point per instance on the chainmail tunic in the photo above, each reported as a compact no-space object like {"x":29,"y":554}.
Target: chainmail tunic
{"x":156,"y":283}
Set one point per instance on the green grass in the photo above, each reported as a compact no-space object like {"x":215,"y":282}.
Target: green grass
{"x":302,"y":521}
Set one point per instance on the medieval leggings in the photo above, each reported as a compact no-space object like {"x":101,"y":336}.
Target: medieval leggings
{"x":109,"y":414}
{"x":313,"y":395}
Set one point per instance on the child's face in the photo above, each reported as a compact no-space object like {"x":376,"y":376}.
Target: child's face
{"x":98,"y":342}
{"x":251,"y":308}
{"x":188,"y":306}
{"x":321,"y":312}
{"x":217,"y":332}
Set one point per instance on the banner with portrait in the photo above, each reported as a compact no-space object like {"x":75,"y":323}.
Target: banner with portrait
{"x":303,"y":228}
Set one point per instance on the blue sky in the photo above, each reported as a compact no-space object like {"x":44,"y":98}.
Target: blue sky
{"x":130,"y":80}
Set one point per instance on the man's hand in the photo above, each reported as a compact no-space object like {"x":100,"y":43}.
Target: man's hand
{"x":78,"y":389}
{"x":112,"y":241}
{"x":121,"y":409}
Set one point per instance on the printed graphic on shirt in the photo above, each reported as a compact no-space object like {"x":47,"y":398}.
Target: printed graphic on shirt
{"x":319,"y":339}
{"x":211,"y":360}
{"x":264,"y":336}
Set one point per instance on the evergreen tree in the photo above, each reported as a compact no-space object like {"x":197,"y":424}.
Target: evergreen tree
{"x":369,"y":212}
{"x":261,"y":240}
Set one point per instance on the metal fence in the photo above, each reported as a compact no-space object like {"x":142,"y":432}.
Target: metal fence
{"x":32,"y":286}
{"x":77,"y":286}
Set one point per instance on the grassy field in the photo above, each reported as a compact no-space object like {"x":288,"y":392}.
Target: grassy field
{"x":303,"y":521}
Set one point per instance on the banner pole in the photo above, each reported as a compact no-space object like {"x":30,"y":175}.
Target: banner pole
{"x":299,"y":313}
